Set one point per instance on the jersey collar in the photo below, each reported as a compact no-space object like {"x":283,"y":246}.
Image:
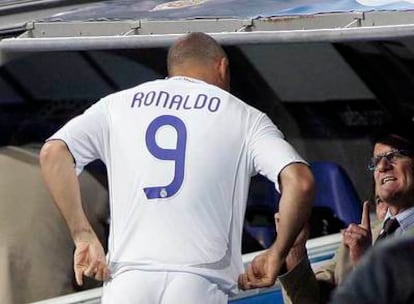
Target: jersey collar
{"x":185,"y":78}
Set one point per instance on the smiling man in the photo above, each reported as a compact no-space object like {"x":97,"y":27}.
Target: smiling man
{"x":392,"y":166}
{"x":385,"y":274}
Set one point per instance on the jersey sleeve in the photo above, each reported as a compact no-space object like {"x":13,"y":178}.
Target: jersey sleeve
{"x":86,"y":135}
{"x":270,"y":151}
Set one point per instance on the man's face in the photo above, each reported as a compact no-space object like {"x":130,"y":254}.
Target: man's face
{"x":394,"y":176}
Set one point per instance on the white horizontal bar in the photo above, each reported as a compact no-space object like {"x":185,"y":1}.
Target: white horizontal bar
{"x":225,"y":38}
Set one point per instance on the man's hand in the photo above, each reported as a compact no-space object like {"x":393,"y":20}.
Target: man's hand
{"x":262,"y":271}
{"x":358,"y":238}
{"x":89,"y":260}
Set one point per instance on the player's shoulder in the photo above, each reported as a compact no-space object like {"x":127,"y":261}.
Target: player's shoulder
{"x":249,"y":110}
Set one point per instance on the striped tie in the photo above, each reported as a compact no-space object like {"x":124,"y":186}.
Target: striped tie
{"x":390,"y":225}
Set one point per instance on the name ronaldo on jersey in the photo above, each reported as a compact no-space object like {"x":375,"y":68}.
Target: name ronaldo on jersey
{"x":164,"y":99}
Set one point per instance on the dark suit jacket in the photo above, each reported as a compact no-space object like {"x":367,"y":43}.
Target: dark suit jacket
{"x":303,"y":286}
{"x":384,"y":275}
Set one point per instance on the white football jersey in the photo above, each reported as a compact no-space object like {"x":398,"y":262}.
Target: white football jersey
{"x":180,"y":154}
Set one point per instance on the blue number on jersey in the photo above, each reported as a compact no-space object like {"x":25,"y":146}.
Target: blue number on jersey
{"x":177,"y":155}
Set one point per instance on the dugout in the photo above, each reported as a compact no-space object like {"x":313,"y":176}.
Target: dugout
{"x":329,"y":74}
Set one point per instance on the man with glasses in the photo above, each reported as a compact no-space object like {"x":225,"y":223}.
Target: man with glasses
{"x":392,"y":166}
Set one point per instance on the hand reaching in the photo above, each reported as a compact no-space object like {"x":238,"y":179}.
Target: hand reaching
{"x":358,"y":238}
{"x":262,"y":271}
{"x":89,"y":260}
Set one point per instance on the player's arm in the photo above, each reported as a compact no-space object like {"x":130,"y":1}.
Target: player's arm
{"x":297,"y":189}
{"x":295,"y":205}
{"x":57,"y":166}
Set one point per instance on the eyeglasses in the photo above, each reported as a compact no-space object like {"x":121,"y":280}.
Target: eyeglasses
{"x":390,"y":156}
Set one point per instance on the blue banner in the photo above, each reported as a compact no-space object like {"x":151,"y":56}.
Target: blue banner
{"x":196,"y":9}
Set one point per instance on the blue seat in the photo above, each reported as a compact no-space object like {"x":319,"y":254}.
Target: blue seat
{"x":264,"y":234}
{"x":335,"y":190}
{"x":262,"y":204}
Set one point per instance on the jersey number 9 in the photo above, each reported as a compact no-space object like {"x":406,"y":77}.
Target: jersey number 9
{"x":177,"y":155}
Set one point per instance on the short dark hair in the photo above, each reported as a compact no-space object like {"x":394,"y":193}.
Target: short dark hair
{"x":197,"y":46}
{"x":400,"y":139}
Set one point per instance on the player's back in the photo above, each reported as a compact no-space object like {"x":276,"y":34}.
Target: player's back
{"x":182,"y":143}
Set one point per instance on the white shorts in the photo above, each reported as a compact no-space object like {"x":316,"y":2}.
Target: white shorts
{"x":156,"y":287}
